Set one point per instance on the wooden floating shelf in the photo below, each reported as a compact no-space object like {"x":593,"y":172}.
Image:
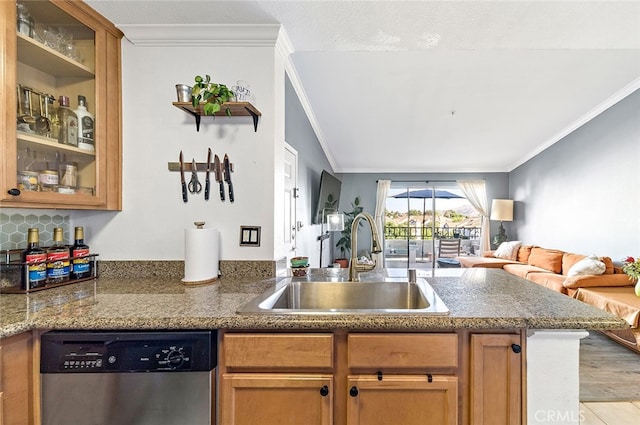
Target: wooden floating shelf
{"x":238,"y":109}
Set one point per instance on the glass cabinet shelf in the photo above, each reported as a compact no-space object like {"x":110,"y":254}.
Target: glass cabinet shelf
{"x":48,"y":143}
{"x":39,"y":56}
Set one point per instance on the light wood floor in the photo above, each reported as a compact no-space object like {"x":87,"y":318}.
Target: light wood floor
{"x":609,"y":383}
{"x":610,"y":413}
{"x":608,"y":371}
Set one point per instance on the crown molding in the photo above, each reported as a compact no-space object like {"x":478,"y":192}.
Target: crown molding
{"x":609,"y":102}
{"x":220,"y":35}
{"x":283,"y":45}
{"x":308,"y":109}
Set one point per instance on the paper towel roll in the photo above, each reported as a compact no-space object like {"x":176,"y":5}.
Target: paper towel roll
{"x":201,"y":255}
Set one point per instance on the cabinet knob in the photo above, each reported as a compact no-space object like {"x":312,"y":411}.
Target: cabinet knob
{"x":353,"y":392}
{"x":324,"y":391}
{"x":13,"y":192}
{"x":516,"y":348}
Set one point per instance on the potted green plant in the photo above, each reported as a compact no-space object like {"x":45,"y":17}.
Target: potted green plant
{"x":344,"y":243}
{"x":211,"y":95}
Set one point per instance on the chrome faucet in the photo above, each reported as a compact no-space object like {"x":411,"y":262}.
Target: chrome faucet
{"x":376,"y":247}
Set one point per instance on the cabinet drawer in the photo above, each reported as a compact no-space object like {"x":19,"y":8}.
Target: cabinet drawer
{"x":258,"y":350}
{"x":402,"y":350}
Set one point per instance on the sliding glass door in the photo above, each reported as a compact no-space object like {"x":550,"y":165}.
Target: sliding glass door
{"x":419,"y":215}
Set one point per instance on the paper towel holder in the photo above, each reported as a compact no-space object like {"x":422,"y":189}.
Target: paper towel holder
{"x":199,"y":277}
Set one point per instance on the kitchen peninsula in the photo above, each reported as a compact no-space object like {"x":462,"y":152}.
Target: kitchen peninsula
{"x":546,"y":326}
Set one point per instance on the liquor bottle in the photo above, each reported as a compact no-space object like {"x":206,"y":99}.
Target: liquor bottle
{"x":57,"y":259}
{"x":34,"y":273}
{"x":81,"y":266}
{"x":53,"y":116}
{"x":85,"y":125}
{"x":68,"y":134}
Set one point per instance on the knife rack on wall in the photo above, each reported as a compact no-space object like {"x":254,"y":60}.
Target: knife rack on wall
{"x":221,"y":171}
{"x":237,"y":109}
{"x":201,"y":166}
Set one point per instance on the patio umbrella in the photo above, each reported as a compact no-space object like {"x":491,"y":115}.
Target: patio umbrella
{"x":425,"y":194}
{"x":428,"y":194}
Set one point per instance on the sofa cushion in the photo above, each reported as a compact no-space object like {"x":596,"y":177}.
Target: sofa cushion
{"x":507,"y":250}
{"x":523,"y":253}
{"x":569,"y":259}
{"x":587,"y":266}
{"x":608,"y":262}
{"x":487,"y":262}
{"x":523,"y":270}
{"x":589,"y":281}
{"x":549,"y":280}
{"x":619,"y":301}
{"x":548,"y":259}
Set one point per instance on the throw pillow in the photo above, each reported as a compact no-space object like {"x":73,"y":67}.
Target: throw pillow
{"x":587,"y":266}
{"x":508,"y":250}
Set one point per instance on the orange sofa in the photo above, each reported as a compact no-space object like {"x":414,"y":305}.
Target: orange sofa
{"x":611,"y":291}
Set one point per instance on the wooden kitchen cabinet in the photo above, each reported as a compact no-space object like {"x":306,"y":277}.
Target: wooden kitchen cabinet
{"x":402,"y":399}
{"x":496,"y":379}
{"x":405,"y":378}
{"x":338,"y":378}
{"x":17,"y":387}
{"x":89,"y":65}
{"x":276,"y":378}
{"x":277,"y":399}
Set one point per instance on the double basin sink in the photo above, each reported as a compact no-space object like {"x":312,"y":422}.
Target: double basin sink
{"x":389,"y":296}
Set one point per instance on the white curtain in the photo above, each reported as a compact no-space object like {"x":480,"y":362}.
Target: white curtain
{"x":381,"y":200}
{"x":476,"y":193}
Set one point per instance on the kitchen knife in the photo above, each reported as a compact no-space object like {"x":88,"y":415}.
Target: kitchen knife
{"x":227,"y":176}
{"x":217,"y":169}
{"x":207,"y":183}
{"x":182,"y":181}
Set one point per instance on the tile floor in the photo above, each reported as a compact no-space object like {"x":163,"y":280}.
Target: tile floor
{"x":610,"y":413}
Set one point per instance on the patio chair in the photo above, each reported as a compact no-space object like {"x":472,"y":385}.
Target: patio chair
{"x":448,"y":249}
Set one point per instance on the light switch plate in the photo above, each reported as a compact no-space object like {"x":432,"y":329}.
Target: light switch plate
{"x":249,"y":235}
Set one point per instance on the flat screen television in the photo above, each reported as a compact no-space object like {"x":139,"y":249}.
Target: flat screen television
{"x":329,"y":196}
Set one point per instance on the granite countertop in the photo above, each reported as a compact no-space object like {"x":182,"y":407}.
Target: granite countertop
{"x":479,"y":298}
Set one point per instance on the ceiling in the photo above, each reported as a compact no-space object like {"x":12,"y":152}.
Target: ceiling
{"x":435,"y":86}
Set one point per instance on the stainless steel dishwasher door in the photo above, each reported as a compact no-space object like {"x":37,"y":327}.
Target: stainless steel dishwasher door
{"x":128,"y":378}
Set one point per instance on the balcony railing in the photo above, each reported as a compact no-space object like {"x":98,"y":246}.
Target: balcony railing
{"x":422,"y":232}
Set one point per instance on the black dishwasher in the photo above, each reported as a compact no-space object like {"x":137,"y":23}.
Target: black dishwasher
{"x":128,"y":378}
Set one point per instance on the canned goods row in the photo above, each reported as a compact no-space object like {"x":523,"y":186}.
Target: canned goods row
{"x":45,"y":181}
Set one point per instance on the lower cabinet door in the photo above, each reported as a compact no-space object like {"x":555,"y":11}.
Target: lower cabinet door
{"x":276,"y":399}
{"x":402,"y":399}
{"x":16,"y":380}
{"x":496,"y":379}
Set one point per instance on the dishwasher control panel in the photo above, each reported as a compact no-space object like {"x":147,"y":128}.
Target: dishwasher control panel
{"x":77,"y":352}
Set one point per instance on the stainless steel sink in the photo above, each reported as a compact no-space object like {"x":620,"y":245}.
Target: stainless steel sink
{"x":383,"y":297}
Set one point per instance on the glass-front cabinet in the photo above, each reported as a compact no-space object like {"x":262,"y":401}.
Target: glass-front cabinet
{"x":61,"y":91}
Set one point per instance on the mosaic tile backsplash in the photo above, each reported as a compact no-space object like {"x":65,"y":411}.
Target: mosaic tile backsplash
{"x":14,"y":229}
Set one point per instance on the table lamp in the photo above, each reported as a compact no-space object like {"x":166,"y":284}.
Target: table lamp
{"x":501,"y":209}
{"x":332,"y":221}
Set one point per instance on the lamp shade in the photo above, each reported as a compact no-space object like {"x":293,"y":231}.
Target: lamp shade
{"x":335,"y":222}
{"x":502,"y":209}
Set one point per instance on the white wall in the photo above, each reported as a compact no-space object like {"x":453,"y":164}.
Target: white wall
{"x":152,"y":223}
